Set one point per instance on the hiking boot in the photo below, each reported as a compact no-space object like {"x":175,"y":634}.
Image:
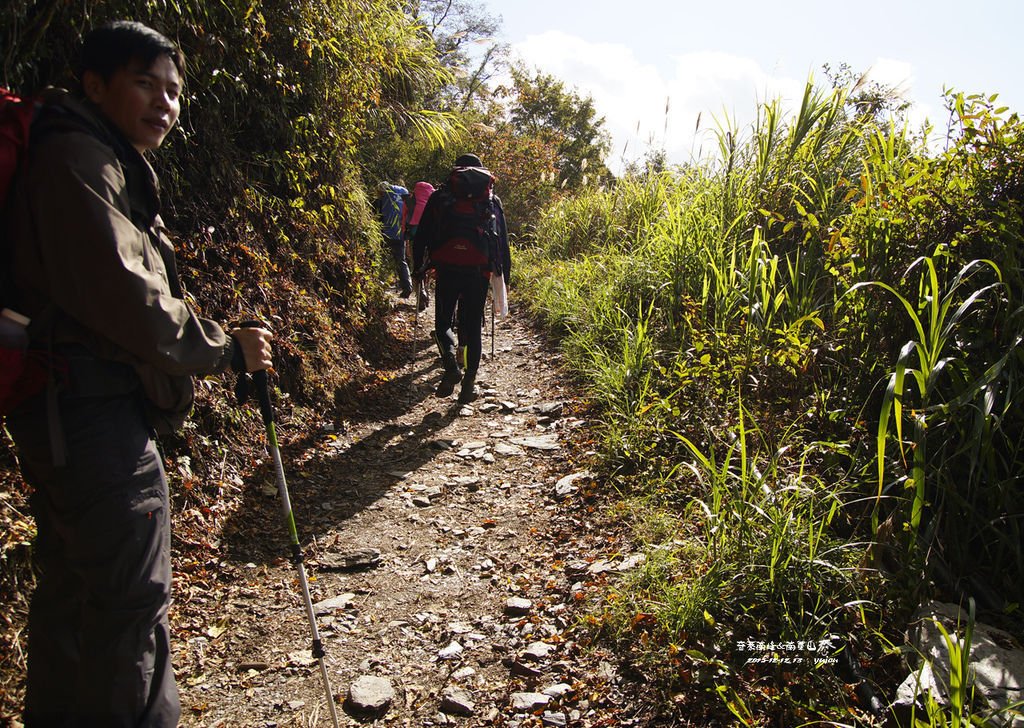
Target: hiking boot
{"x":424,"y":299}
{"x":452,"y":375}
{"x":406,"y":292}
{"x":468,"y":392}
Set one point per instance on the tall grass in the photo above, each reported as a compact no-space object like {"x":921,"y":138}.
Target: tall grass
{"x":937,"y":318}
{"x":735,"y":322}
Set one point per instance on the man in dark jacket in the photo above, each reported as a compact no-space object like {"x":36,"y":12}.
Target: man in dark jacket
{"x":462,"y":287}
{"x":94,"y":270}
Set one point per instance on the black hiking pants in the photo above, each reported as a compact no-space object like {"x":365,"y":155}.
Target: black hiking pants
{"x":465,"y":288}
{"x":99,"y":644}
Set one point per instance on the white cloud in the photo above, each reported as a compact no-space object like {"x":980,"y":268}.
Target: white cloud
{"x":715,"y":88}
{"x":633,"y":95}
{"x":723,"y":89}
{"x":891,"y":72}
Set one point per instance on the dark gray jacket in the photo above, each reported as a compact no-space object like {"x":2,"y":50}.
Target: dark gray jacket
{"x":92,"y":263}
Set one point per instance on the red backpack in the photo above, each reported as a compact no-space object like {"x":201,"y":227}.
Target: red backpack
{"x":467,"y":227}
{"x":22,"y":372}
{"x":16,"y":117}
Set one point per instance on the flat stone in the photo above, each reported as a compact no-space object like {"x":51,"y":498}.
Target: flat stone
{"x":326,"y":606}
{"x":576,"y":567}
{"x":566,"y":486}
{"x":518,"y":607}
{"x":557,"y":690}
{"x":456,"y":701}
{"x":257,"y":666}
{"x":631,"y":562}
{"x":371,"y":695}
{"x":554,"y":718}
{"x":302,"y":658}
{"x":351,"y":560}
{"x":996,"y":660}
{"x":522,"y":669}
{"x":451,"y":652}
{"x":529,"y":702}
{"x":540,"y":442}
{"x":537,"y":651}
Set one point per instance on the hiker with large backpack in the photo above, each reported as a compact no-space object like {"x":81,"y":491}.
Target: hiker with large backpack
{"x":463,"y":238}
{"x":94,"y":272}
{"x":390,"y":207}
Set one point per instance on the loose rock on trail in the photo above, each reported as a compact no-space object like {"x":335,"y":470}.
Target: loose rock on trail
{"x":447,"y":563}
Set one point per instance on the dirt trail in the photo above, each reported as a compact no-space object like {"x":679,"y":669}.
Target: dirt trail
{"x":461,"y":505}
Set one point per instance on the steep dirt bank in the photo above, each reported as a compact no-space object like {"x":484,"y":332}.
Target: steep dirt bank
{"x":455,"y":512}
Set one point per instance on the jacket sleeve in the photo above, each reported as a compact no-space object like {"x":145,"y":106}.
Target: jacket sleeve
{"x":106,"y":273}
{"x":504,"y":253}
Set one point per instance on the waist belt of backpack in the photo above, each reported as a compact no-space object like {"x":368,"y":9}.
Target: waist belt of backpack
{"x":449,"y":268}
{"x":84,"y":375}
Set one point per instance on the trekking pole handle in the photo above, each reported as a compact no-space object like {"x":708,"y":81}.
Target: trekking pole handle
{"x":261,"y":382}
{"x":263,"y":395}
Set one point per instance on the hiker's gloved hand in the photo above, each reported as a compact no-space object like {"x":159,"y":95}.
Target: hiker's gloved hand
{"x":254,"y":343}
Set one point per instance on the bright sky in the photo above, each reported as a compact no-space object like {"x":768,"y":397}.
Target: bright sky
{"x":716,"y":58}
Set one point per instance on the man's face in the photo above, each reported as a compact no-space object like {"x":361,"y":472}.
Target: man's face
{"x":143,"y":103}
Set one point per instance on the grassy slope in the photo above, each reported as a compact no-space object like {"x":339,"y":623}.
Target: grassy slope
{"x":755,"y":331}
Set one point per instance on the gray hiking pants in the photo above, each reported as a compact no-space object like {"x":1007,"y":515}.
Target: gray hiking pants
{"x":99,"y":643}
{"x":397,"y":248}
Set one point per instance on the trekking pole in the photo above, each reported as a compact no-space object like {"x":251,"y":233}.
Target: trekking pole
{"x":416,"y":327}
{"x":492,"y":328}
{"x":259,"y":379}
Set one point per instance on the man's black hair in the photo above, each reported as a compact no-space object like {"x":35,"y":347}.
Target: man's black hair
{"x":116,"y":45}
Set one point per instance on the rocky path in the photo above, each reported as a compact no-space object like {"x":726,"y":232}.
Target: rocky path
{"x":450,"y":552}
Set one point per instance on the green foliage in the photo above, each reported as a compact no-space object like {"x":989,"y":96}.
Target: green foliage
{"x":937,"y":326}
{"x":263,"y":190}
{"x":540,"y":106}
{"x":943,"y":233}
{"x":760,"y":288}
{"x":454,"y":26}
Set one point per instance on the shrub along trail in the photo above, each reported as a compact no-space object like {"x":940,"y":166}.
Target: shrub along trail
{"x":451,"y":559}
